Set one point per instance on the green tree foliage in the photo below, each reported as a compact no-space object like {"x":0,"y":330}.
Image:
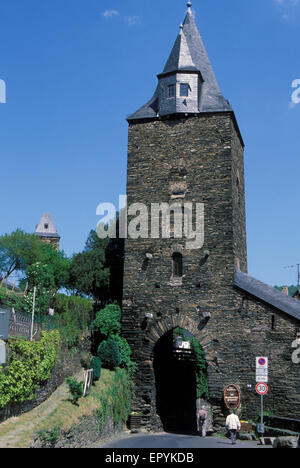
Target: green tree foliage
{"x":96,"y":366}
{"x":200,"y":363}
{"x":201,"y":370}
{"x":30,"y":363}
{"x":98,"y":271}
{"x":108,"y":324}
{"x":125,"y":352}
{"x":76,"y":390}
{"x":72,"y":317}
{"x":51,"y":271}
{"x":89,"y":274}
{"x":18,"y":251}
{"x":108,"y":321}
{"x":108,"y":352}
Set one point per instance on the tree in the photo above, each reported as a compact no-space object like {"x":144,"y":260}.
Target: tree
{"x":96,"y":366}
{"x":98,"y":271}
{"x":17,"y":252}
{"x":108,"y":321}
{"x":88,"y":273}
{"x":109,"y":354}
{"x":51,"y":271}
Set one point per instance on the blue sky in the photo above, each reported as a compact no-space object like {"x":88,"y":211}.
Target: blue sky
{"x":74,"y":69}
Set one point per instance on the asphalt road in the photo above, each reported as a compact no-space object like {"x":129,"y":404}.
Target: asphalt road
{"x":175,"y":441}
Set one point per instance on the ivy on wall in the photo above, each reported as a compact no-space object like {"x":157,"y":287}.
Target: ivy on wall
{"x":200,"y":363}
{"x":30,"y":363}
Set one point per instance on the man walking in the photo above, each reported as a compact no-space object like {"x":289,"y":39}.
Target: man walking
{"x":233,"y":425}
{"x":202,"y":421}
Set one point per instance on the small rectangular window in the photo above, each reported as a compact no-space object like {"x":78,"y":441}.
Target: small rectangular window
{"x":171,"y":92}
{"x":184,"y":89}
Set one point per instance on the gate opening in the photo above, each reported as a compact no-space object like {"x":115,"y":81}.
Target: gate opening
{"x":176,"y":392}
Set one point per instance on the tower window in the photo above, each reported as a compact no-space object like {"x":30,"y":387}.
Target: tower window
{"x":171,"y":91}
{"x":184,"y":89}
{"x":46,"y":226}
{"x":177,"y":265}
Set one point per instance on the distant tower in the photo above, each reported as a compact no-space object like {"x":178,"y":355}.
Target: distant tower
{"x":47,"y":232}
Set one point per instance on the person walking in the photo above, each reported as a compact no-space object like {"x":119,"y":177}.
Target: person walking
{"x":202,"y":421}
{"x":233,"y":425}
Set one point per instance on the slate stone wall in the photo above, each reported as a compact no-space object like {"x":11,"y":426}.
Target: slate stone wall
{"x":204,"y":156}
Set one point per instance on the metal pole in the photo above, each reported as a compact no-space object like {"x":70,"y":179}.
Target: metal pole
{"x":32,"y":318}
{"x":262,"y":427}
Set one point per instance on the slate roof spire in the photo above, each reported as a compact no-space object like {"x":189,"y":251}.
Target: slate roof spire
{"x":188,"y":55}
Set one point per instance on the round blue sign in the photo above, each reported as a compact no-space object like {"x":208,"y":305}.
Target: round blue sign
{"x":261,"y":361}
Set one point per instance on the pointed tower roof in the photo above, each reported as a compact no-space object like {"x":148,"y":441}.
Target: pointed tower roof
{"x":189,"y":54}
{"x":46,"y":228}
{"x":180,"y":57}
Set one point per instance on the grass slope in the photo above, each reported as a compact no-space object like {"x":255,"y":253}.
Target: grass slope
{"x":56,"y":411}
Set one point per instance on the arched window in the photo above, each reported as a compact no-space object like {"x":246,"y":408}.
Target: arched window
{"x":177,"y":265}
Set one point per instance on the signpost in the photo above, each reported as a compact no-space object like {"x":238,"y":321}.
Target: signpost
{"x":262,"y":367}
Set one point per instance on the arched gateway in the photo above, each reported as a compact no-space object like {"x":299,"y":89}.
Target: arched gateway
{"x":185,"y":147}
{"x":175,"y":386}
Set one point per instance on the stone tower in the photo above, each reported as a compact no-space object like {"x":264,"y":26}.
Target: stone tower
{"x":47,"y":232}
{"x":184,"y":146}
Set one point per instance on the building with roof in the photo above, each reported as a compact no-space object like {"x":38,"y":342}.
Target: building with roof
{"x":185,"y":146}
{"x":47,"y":232}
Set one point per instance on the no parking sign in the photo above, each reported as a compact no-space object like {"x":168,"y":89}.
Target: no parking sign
{"x":262,"y":366}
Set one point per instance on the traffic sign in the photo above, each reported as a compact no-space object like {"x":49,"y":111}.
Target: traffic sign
{"x":262,"y":388}
{"x":262,"y":363}
{"x":262,"y":366}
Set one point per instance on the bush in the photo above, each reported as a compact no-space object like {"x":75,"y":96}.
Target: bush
{"x":76,"y":390}
{"x":30,"y":362}
{"x":108,"y":321}
{"x":96,"y":365}
{"x":109,"y":354}
{"x":49,"y":438}
{"x":125,"y":351}
{"x":72,"y":317}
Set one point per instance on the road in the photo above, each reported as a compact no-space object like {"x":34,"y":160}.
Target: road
{"x":175,"y":441}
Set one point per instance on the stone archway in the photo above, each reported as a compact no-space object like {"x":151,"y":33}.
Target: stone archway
{"x":167,"y":324}
{"x":166,"y":392}
{"x":175,"y":388}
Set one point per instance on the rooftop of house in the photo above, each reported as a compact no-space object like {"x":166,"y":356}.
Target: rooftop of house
{"x":268,"y":294}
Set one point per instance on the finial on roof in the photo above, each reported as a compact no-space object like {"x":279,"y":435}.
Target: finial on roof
{"x":189,"y":5}
{"x":181,"y":29}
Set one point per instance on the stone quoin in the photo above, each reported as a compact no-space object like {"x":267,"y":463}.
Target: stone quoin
{"x":185,"y":145}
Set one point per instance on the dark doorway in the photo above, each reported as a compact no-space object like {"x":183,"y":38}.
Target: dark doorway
{"x":175,"y":388}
